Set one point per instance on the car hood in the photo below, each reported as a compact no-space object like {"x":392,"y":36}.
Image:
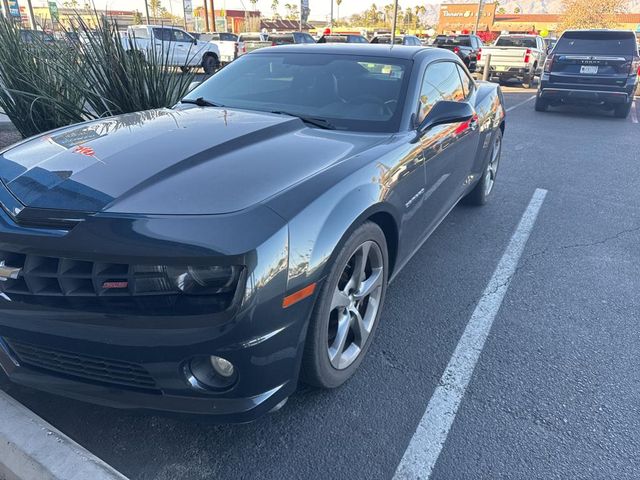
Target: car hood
{"x":190,"y":161}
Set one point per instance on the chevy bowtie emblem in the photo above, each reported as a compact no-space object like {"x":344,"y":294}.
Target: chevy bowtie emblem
{"x":7,"y":272}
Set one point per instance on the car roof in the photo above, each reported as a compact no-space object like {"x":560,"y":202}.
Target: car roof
{"x":372,"y":50}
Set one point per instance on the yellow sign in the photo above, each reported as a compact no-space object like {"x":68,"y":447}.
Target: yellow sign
{"x":544,"y":33}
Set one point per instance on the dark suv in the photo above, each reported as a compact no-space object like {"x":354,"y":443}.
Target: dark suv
{"x":597,"y":67}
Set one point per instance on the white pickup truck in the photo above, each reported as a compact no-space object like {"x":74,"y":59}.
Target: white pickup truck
{"x":173,"y":46}
{"x":515,"y":56}
{"x":227,"y":44}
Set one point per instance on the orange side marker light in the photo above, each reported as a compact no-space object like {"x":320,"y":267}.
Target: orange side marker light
{"x":298,"y":296}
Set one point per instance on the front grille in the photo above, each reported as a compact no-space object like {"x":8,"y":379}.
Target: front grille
{"x":53,"y":276}
{"x":87,"y":367}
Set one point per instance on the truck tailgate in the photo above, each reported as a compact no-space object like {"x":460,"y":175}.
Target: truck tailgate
{"x":505,"y":56}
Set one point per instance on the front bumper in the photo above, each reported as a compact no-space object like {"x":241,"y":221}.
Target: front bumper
{"x":74,"y":351}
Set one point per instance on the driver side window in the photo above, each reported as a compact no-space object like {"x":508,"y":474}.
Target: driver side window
{"x":180,"y":36}
{"x":441,"y":82}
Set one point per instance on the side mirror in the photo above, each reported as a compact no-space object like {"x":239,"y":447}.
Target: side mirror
{"x":445,"y":112}
{"x":195,"y":41}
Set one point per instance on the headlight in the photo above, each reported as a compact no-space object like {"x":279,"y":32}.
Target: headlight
{"x":191,"y":280}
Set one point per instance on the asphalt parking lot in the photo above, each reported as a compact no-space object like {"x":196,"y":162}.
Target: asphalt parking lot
{"x":554,"y":393}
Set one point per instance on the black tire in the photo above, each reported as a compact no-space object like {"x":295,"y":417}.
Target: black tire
{"x":482,"y":191}
{"x":622,"y":111}
{"x":541,"y":104}
{"x":317,"y":367}
{"x":210,"y":64}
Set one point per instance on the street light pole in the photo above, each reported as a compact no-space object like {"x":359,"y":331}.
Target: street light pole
{"x":475,"y":30}
{"x":395,"y":23}
{"x":331,"y":19}
{"x":146,"y":6}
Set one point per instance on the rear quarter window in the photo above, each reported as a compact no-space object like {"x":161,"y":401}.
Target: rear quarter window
{"x":597,"y":43}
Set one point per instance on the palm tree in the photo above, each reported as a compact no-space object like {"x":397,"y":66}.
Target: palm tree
{"x":156,"y":7}
{"x":274,"y":8}
{"x":338,"y":3}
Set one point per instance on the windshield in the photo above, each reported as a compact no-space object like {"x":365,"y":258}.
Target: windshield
{"x":524,"y":42}
{"x":597,"y":43}
{"x":356,"y":93}
{"x":462,"y":41}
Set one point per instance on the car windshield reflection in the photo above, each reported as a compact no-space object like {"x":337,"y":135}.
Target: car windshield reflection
{"x":355,"y":93}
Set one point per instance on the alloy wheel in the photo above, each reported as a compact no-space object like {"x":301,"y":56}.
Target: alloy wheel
{"x":355,"y":304}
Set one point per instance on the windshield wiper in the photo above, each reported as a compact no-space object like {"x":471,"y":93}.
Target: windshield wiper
{"x":201,"y":102}
{"x":316,"y":122}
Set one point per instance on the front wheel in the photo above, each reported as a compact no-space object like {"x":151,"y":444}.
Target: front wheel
{"x":347,"y":310}
{"x":481,"y":192}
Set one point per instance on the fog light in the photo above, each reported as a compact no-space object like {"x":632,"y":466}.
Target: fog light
{"x":210,"y":373}
{"x":222,"y":367}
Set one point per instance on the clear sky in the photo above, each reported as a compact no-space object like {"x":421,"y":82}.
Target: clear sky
{"x":319,"y":8}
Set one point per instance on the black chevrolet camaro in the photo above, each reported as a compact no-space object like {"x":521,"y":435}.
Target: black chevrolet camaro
{"x":205,"y":259}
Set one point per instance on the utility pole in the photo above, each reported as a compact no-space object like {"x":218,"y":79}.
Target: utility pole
{"x":32,"y":17}
{"x":475,"y":30}
{"x":146,"y":6}
{"x":213,"y":16}
{"x":206,"y":16}
{"x":395,"y":23}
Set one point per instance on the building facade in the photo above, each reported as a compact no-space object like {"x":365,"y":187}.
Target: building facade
{"x":461,"y":18}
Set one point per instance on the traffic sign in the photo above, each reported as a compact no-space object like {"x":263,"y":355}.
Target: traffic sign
{"x":14,"y":8}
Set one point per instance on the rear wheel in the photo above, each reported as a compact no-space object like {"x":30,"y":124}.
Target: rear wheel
{"x":622,"y":111}
{"x":527,"y":81}
{"x":346,"y":314}
{"x":481,"y":192}
{"x":541,"y":104}
{"x":210,"y":64}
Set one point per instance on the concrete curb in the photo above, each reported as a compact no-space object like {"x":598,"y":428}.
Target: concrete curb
{"x":32,"y":449}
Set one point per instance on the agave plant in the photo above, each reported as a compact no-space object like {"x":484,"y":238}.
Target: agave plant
{"x":33,"y":93}
{"x":117,"y":78}
{"x":45,"y":85}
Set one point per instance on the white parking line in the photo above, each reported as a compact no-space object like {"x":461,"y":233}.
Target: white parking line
{"x":634,"y":112}
{"x":521,"y":103}
{"x":427,"y":442}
